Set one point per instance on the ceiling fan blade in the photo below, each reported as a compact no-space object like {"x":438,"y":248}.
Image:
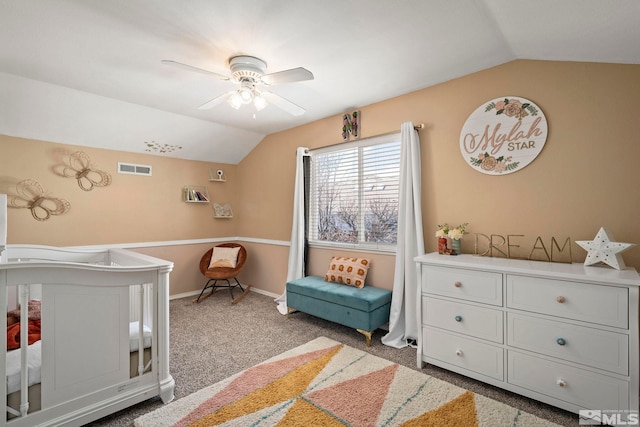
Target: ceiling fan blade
{"x":215,"y":101}
{"x":288,"y":76}
{"x":191,"y":68}
{"x":283,"y":104}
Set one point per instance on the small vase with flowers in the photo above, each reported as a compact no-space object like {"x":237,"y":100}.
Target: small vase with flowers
{"x":456,"y":234}
{"x":441,"y":234}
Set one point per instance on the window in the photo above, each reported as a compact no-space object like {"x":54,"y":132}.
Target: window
{"x":353,"y":194}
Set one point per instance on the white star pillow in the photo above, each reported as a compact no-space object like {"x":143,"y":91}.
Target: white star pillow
{"x":602,"y":249}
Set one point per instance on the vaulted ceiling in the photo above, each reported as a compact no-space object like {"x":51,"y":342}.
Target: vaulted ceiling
{"x":89,"y":72}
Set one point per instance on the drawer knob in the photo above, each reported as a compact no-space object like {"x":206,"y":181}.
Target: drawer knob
{"x":561,"y":299}
{"x":561,"y":382}
{"x":458,"y":284}
{"x":458,"y":318}
{"x":458,"y":352}
{"x":561,"y":341}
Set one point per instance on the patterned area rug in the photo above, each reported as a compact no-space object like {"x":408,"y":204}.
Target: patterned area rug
{"x":325,"y":383}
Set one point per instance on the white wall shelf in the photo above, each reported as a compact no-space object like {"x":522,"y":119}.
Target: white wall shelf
{"x":195,"y":194}
{"x":217,"y":175}
{"x":222,"y":211}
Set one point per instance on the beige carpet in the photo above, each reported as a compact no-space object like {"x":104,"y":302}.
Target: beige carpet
{"x":326,"y":383}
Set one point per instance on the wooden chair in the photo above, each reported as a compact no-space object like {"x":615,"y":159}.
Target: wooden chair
{"x":226,"y":274}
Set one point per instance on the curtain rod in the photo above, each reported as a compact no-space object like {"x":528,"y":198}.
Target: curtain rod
{"x":416,"y":127}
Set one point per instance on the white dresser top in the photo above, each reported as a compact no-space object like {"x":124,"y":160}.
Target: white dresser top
{"x":595,"y":274}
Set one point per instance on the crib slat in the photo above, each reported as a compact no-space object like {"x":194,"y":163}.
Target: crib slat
{"x":141,"y":331}
{"x":3,"y":353}
{"x":23,"y":298}
{"x":3,"y":227}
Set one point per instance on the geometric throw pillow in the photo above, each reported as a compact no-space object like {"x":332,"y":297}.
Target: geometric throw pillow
{"x":349,"y":271}
{"x":224,"y":257}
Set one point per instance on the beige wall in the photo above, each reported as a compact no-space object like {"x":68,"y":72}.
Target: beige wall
{"x":584,"y":178}
{"x":133,"y":209}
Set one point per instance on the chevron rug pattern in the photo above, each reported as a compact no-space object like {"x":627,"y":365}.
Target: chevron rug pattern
{"x":325,"y":383}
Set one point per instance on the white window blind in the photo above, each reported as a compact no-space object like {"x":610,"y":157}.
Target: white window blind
{"x":353,"y":194}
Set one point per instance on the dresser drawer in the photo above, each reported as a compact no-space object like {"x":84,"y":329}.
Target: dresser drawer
{"x":463,"y":284}
{"x":577,"y":386}
{"x":475,"y":356}
{"x":587,"y":346}
{"x":479,"y":322}
{"x":606,"y":305}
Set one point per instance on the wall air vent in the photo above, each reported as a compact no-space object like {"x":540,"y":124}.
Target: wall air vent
{"x":134,"y":169}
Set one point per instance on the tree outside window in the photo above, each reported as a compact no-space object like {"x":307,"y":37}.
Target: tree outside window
{"x":354,"y":195}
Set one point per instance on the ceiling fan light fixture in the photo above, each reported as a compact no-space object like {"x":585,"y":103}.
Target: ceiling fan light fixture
{"x":246,"y":94}
{"x":235,"y":100}
{"x":249,"y":73}
{"x":259,"y":102}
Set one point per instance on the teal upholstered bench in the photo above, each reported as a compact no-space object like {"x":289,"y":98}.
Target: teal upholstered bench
{"x":364,"y":309}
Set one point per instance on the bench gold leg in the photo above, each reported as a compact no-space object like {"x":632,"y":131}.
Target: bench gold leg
{"x":367,"y":336}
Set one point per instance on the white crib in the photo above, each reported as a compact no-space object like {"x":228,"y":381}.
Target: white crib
{"x":90,"y":300}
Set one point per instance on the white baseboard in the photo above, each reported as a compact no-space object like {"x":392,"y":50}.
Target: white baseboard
{"x":263,"y":292}
{"x":196,"y":293}
{"x":184,"y":295}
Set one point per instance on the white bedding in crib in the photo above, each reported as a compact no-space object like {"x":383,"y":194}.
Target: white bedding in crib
{"x":34,"y":359}
{"x":133,"y":336}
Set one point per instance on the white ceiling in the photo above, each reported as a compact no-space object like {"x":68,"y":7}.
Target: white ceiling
{"x":88,"y":72}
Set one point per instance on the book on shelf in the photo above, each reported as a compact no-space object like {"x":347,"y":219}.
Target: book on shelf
{"x":192,"y":195}
{"x":201,"y":197}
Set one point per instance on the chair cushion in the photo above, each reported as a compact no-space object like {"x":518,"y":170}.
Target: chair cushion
{"x":224,"y":257}
{"x":365,"y":299}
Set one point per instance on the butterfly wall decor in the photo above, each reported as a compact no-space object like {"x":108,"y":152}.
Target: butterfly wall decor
{"x":79,"y":167}
{"x":31,"y":195}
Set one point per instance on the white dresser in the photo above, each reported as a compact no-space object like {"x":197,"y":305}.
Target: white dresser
{"x":564,"y":334}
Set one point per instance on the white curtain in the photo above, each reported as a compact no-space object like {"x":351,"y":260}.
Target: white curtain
{"x":295,"y":269}
{"x":403,"y":319}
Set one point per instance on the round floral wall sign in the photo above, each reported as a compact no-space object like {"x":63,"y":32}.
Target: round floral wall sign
{"x":503,"y":135}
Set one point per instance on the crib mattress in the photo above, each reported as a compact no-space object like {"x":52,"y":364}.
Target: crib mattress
{"x":34,"y":359}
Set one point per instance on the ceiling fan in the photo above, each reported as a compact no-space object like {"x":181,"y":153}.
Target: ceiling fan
{"x":249,"y":73}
